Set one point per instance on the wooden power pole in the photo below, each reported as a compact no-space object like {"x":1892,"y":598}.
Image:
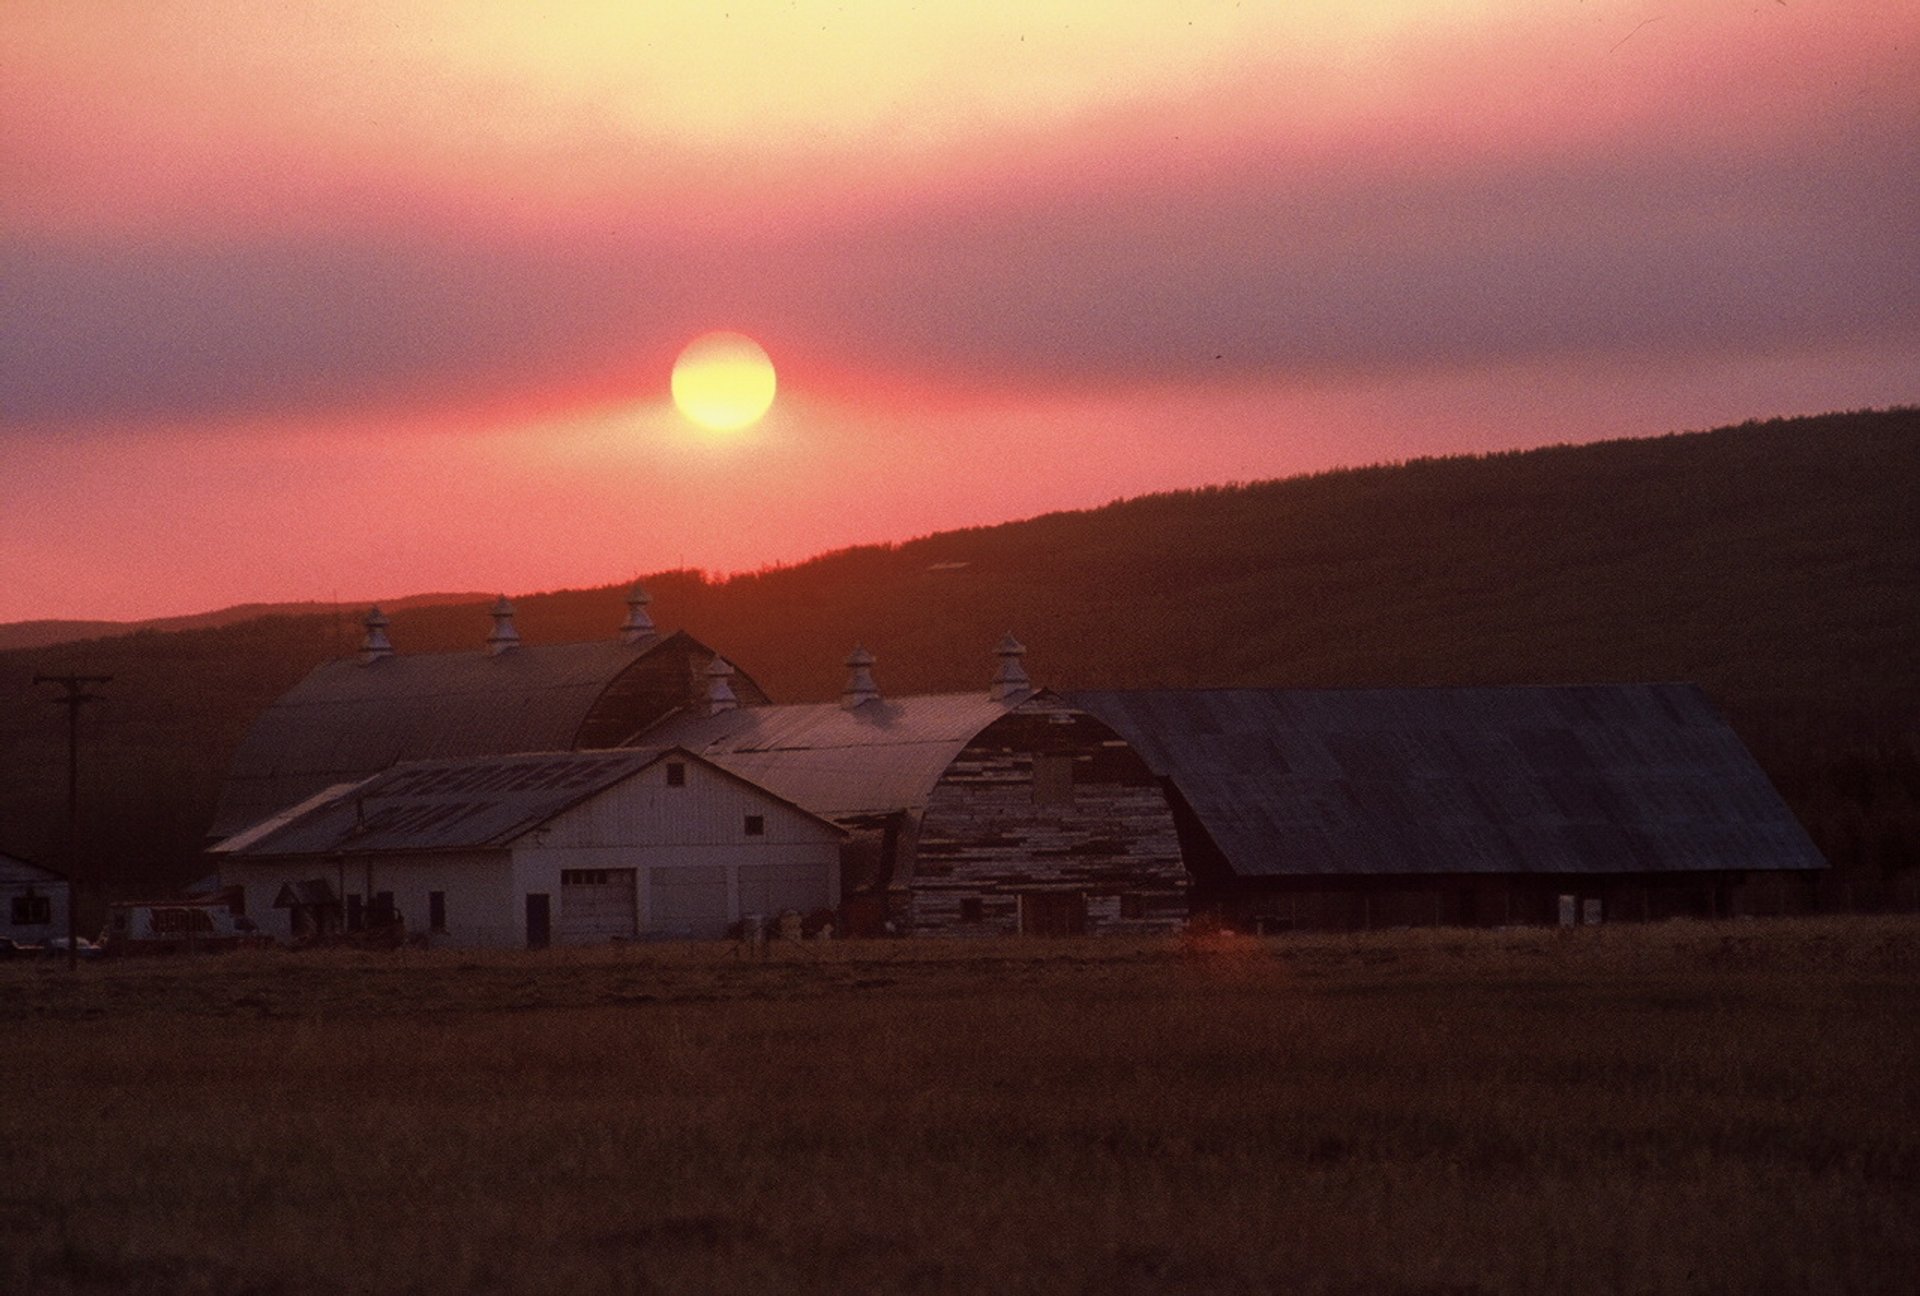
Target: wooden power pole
{"x":75,"y":697}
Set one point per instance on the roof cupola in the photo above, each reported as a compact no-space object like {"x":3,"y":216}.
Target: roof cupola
{"x":860,"y":686}
{"x":504,"y":638}
{"x":1010,"y":681}
{"x":376,"y":645}
{"x":720,"y":687}
{"x":638,"y":624}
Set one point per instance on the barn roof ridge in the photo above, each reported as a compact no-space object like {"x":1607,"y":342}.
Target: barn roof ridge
{"x":492,"y":815}
{"x":881,"y":756}
{"x":346,"y":719}
{"x":1478,"y":779}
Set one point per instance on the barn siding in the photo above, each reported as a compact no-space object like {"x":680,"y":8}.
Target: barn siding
{"x":643,"y":823}
{"x":986,"y":837}
{"x":708,"y":810}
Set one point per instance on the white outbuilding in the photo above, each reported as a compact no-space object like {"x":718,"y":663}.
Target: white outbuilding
{"x":33,"y":901}
{"x":570,"y":847}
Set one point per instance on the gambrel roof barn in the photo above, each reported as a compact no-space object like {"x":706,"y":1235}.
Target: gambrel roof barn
{"x":354,"y":717}
{"x":993,"y":812}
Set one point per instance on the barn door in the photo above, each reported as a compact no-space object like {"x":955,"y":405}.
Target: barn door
{"x":1053,"y":913}
{"x":596,"y":905}
{"x":539,"y":920}
{"x":689,"y":901}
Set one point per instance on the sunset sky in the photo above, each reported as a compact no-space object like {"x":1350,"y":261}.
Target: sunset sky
{"x":365,"y":299}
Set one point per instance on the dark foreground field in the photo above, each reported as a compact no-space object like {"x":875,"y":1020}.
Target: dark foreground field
{"x":1686,"y":1107}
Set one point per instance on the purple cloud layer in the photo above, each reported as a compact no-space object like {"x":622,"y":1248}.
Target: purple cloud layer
{"x":1274,"y":268}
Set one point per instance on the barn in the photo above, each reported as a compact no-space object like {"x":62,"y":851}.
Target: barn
{"x":1340,"y":808}
{"x":1008,"y":809}
{"x":1001,"y":811}
{"x":353,"y":717}
{"x":33,"y":901}
{"x":535,"y":849}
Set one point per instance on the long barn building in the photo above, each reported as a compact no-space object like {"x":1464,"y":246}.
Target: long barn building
{"x":1013,"y":809}
{"x":1334,"y":808}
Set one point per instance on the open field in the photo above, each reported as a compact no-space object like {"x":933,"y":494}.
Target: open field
{"x":1684,"y":1107}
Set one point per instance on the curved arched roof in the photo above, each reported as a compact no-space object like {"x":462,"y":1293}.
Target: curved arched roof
{"x":1598,"y":778}
{"x":347,"y":719}
{"x":842,"y":762}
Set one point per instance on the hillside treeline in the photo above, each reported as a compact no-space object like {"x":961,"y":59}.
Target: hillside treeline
{"x":1777,"y":564}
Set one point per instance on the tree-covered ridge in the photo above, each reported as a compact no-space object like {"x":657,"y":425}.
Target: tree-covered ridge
{"x":1776,"y":563}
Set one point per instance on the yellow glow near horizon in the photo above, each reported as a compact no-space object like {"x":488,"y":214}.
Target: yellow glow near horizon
{"x":723,"y":381}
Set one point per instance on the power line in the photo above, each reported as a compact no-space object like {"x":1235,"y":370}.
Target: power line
{"x":75,"y":697}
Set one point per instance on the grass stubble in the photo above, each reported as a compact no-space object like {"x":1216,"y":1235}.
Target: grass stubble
{"x":1683,"y":1107}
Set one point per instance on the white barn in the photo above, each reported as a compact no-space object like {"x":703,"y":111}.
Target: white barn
{"x":33,"y":901}
{"x":529,"y":850}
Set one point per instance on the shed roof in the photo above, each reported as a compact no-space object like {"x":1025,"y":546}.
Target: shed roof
{"x":348,"y":719}
{"x":842,"y":762}
{"x":1605,"y":778}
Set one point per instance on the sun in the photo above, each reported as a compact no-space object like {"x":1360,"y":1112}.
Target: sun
{"x":723,"y":381}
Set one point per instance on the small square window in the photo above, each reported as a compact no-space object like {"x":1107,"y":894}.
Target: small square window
{"x":676,"y":774}
{"x":756,"y":825}
{"x":1133,"y":905}
{"x":32,"y":910}
{"x":973,"y":909}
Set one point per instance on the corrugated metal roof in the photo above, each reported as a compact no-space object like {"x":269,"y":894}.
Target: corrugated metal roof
{"x":442,"y":805}
{"x":274,"y":823}
{"x":1577,"y":779}
{"x":347,"y":720}
{"x":841,"y":762}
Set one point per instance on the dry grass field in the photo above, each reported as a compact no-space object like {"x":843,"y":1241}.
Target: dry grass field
{"x":1685,"y":1107}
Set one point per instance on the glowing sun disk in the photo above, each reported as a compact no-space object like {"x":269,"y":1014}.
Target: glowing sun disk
{"x":723,"y":381}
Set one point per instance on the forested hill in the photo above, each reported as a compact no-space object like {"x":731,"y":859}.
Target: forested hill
{"x":1778,"y":564}
{"x":42,"y":634}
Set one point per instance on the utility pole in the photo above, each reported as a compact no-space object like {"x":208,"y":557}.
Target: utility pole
{"x":75,"y":697}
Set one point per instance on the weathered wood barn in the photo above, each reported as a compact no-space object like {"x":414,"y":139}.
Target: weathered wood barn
{"x":995,"y":812}
{"x":33,"y":901}
{"x":1476,"y":806}
{"x":553,"y":847}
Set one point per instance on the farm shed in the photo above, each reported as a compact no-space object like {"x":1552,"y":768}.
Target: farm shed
{"x":994,"y":812}
{"x":1387,"y":807}
{"x":33,"y":901}
{"x":354,"y":717}
{"x":553,"y":847}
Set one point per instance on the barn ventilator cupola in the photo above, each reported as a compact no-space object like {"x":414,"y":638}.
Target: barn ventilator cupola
{"x":376,"y":645}
{"x":860,"y":686}
{"x":638,"y":624}
{"x":720,"y":687}
{"x":1010,"y":681}
{"x":503,"y":638}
